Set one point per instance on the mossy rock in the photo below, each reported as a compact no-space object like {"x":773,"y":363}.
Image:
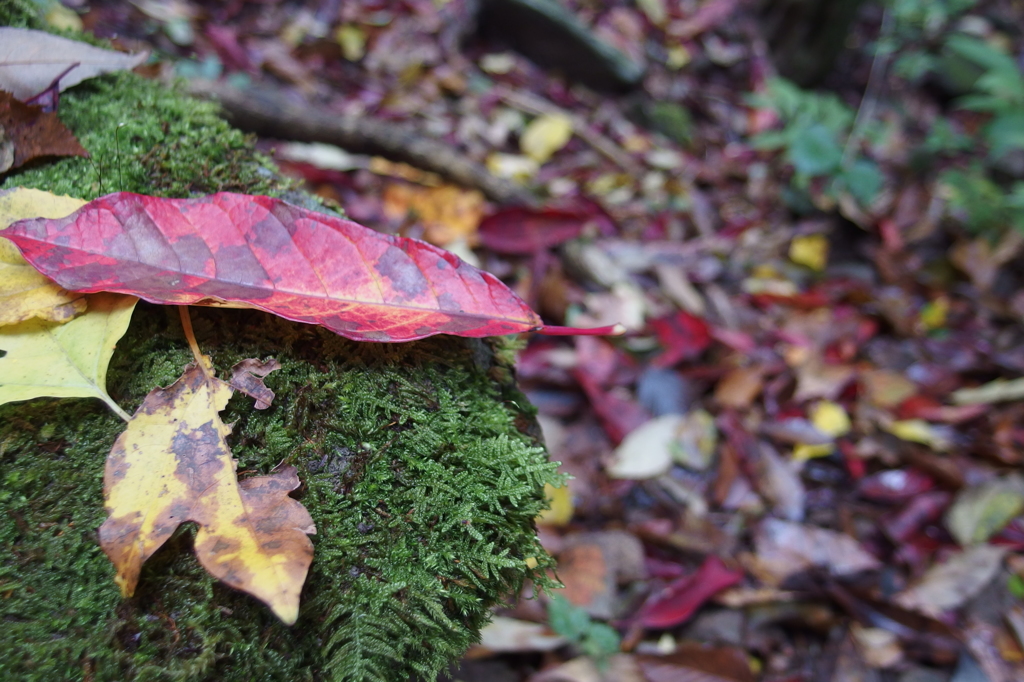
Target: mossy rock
{"x":419,"y":463}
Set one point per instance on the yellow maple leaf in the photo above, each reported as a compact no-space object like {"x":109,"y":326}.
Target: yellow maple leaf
{"x":64,"y":360}
{"x":24,"y":292}
{"x":171,"y":465}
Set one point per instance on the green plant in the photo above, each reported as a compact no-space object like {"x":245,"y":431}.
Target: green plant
{"x":816,"y":140}
{"x":597,"y":640}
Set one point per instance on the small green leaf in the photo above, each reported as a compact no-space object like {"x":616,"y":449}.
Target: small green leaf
{"x":815,"y":151}
{"x":568,"y":620}
{"x":863,"y":180}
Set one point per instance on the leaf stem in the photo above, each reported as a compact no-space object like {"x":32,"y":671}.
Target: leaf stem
{"x":115,"y":408}
{"x":190,"y":336}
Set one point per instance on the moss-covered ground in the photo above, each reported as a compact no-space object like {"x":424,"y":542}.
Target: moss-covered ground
{"x":417,"y":463}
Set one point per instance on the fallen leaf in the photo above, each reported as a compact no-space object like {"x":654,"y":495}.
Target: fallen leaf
{"x":524,"y":231}
{"x":997,"y":391}
{"x":696,"y":441}
{"x":646,"y":451}
{"x":817,"y":379}
{"x":560,"y":509}
{"x":828,"y":418}
{"x":545,"y":135}
{"x":247,"y":377}
{"x":779,"y":482}
{"x":981,"y":511}
{"x":260,"y":252}
{"x":446,"y":212}
{"x":698,"y":663}
{"x":31,"y":60}
{"x":620,"y":668}
{"x":810,"y":250}
{"x":508,"y":635}
{"x":64,"y":360}
{"x":920,"y":431}
{"x":785,"y":548}
{"x":33,"y":133}
{"x":172,"y":465}
{"x":679,"y":600}
{"x":24,"y":292}
{"x":682,"y":335}
{"x":592,"y":565}
{"x":886,"y":389}
{"x":949,"y":584}
{"x":739,"y":387}
{"x":879,"y":648}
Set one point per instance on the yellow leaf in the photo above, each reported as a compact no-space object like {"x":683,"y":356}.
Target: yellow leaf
{"x":933,"y":314}
{"x":561,"y":509}
{"x":919,"y":431}
{"x":545,"y":135}
{"x":512,"y":166}
{"x":64,"y":360}
{"x":352,"y":41}
{"x":24,"y":292}
{"x":810,"y":250}
{"x":447,"y":212}
{"x":830,"y":418}
{"x":171,"y":465}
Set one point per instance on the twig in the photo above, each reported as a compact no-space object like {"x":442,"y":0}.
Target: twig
{"x":532,"y":104}
{"x":267,"y":112}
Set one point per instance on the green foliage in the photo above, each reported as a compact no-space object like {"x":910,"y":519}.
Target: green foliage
{"x":816,"y":130}
{"x":597,"y":640}
{"x":983,"y":206}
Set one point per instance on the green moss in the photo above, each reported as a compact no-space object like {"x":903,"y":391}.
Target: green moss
{"x":419,"y":463}
{"x":421,"y":486}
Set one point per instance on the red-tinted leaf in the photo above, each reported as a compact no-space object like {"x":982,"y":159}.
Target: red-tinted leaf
{"x":524,"y":231}
{"x":684,"y":337}
{"x":247,"y":377}
{"x":299,"y":264}
{"x":681,"y":598}
{"x":32,"y":133}
{"x":697,"y":663}
{"x":895,"y":485}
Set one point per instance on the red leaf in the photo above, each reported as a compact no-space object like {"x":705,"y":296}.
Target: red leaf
{"x":299,"y":264}
{"x":683,"y":335}
{"x":524,"y":231}
{"x":33,"y":133}
{"x":681,"y":598}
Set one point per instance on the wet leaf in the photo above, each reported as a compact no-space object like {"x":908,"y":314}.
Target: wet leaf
{"x":263,"y":253}
{"x":172,"y":465}
{"x":24,"y":292}
{"x":32,"y":134}
{"x":64,"y":360}
{"x":31,"y":60}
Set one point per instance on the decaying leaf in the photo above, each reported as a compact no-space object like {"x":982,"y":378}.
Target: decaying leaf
{"x":981,"y":511}
{"x":247,"y":377}
{"x":261,"y":252}
{"x":33,"y":133}
{"x":784,"y":548}
{"x":64,"y":360}
{"x":949,"y":584}
{"x":24,"y":292}
{"x":31,"y":60}
{"x":171,"y":465}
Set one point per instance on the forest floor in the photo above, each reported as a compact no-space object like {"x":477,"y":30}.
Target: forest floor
{"x":801,"y":462}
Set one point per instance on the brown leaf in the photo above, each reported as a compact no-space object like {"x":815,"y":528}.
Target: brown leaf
{"x":247,"y":377}
{"x":696,"y":663}
{"x":29,"y":133}
{"x":739,"y":387}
